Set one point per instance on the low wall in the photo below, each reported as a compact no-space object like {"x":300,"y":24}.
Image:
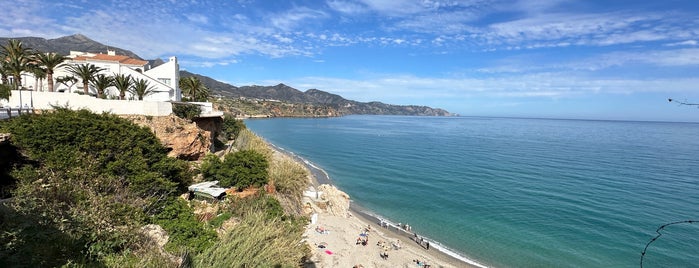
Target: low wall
{"x":47,"y":100}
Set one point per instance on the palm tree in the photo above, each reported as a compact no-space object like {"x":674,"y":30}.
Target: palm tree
{"x":39,"y":75}
{"x":4,"y":73}
{"x":122,"y":82}
{"x":86,"y":72}
{"x":17,"y":59}
{"x":193,"y":89}
{"x":50,"y":61}
{"x":141,"y":88}
{"x":101,"y":82}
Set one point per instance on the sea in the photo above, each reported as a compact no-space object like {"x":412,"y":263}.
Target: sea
{"x":516,"y":192}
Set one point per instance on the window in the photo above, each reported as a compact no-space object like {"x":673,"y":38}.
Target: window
{"x":165,"y":81}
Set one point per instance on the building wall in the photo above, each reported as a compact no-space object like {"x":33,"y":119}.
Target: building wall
{"x":168,"y":74}
{"x":47,"y":100}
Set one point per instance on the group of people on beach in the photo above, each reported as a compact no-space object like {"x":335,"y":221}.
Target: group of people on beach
{"x":421,"y":241}
{"x":363,"y":238}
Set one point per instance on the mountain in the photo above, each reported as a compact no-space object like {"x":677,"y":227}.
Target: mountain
{"x":63,"y":45}
{"x":313,"y":99}
{"x":316,"y":97}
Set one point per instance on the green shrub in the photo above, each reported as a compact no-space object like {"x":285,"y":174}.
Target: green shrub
{"x":185,"y":231}
{"x":231,"y":128}
{"x":243,"y":169}
{"x":218,"y":221}
{"x":88,"y":183}
{"x":186,"y":110}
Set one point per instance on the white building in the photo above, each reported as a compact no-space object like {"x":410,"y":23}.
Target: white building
{"x":163,"y":78}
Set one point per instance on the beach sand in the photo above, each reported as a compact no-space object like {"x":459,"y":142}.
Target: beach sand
{"x":343,"y":225}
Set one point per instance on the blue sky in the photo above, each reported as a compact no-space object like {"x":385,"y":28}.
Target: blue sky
{"x":562,"y":59}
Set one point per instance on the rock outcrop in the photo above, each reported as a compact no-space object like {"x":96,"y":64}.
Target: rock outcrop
{"x":183,"y":137}
{"x":334,"y":201}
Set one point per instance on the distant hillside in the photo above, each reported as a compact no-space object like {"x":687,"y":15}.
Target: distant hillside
{"x":318,"y":101}
{"x":337,"y":103}
{"x":64,"y":45}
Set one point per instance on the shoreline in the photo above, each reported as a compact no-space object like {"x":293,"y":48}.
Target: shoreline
{"x":437,"y":252}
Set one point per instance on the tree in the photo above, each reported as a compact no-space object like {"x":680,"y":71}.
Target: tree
{"x":50,"y":61}
{"x":101,"y":82}
{"x":193,"y":88}
{"x":86,"y":72}
{"x":39,"y":75}
{"x":18,"y":59}
{"x":141,"y":88}
{"x":122,"y":82}
{"x":5,"y":91}
{"x":67,"y":81}
{"x":4,"y":73}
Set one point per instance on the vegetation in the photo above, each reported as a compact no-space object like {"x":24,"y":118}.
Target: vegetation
{"x":141,"y":88}
{"x":241,"y":169}
{"x":86,"y":72}
{"x":258,"y":241}
{"x":89,"y":183}
{"x":101,"y":82}
{"x":67,"y":81}
{"x":122,"y":82}
{"x":193,"y":89}
{"x":186,"y":110}
{"x":49,"y":62}
{"x":231,"y":128}
{"x":85,"y":188}
{"x":5,"y":91}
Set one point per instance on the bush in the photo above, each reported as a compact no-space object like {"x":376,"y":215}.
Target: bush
{"x":89,"y":181}
{"x":231,"y":128}
{"x":186,"y":110}
{"x":243,"y":169}
{"x":187,"y":234}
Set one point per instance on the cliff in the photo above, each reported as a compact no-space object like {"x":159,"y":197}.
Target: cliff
{"x":185,"y":139}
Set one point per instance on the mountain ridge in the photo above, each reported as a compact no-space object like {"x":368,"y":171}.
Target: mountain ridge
{"x":313,"y":98}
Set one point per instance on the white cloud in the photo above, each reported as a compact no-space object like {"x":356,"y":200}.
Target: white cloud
{"x":346,"y":7}
{"x":683,"y":43}
{"x":197,"y":18}
{"x":547,"y":85}
{"x":295,"y":17}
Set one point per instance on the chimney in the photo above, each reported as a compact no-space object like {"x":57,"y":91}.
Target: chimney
{"x":111,"y":52}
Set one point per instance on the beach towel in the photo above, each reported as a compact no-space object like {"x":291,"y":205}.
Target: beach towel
{"x":329,"y":252}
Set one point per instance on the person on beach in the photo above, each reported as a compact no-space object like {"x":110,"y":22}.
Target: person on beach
{"x":428,"y":245}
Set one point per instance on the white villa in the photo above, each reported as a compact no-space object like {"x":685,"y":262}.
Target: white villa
{"x":163,"y":78}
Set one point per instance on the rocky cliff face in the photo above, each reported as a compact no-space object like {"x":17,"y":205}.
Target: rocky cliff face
{"x":184,"y":138}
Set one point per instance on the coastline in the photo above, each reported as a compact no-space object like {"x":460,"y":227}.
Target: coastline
{"x":437,"y":255}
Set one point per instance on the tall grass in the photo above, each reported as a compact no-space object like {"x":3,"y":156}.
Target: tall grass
{"x":290,"y":178}
{"x":247,"y":140}
{"x":257,"y":241}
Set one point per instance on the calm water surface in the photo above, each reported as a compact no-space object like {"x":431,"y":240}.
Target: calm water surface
{"x":516,"y":192}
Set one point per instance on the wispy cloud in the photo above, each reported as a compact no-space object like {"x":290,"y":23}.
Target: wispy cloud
{"x":411,"y":89}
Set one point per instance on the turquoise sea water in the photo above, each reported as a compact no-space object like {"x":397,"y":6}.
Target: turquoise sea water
{"x":516,"y":192}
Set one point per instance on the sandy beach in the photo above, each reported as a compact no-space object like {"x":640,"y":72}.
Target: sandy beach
{"x":335,"y":238}
{"x":337,"y":230}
